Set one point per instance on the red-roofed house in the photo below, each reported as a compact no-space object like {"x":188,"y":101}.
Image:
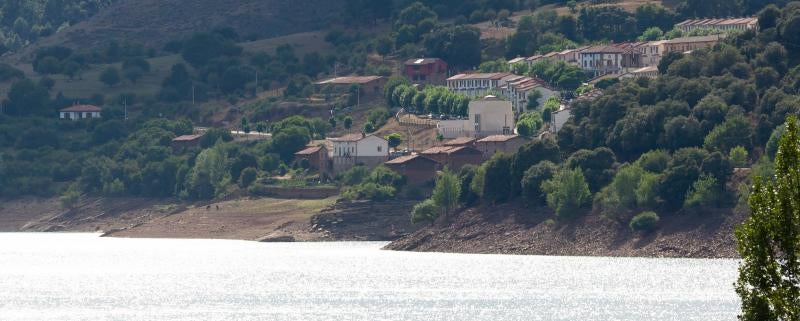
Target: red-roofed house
{"x":358,"y":149}
{"x":317,"y":157}
{"x":80,"y":112}
{"x":426,"y":71}
{"x":494,"y":144}
{"x":418,"y":170}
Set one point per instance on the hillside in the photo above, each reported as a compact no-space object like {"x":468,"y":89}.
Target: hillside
{"x":155,"y":22}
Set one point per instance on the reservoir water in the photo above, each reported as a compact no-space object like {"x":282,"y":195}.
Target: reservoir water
{"x":85,"y":277}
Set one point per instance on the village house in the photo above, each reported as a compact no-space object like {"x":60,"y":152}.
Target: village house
{"x":80,"y":112}
{"x":487,"y":116}
{"x":646,"y":72}
{"x":687,"y":44}
{"x":317,"y":157}
{"x":428,"y":71}
{"x":185,"y":142}
{"x":494,"y":144}
{"x":418,"y":170}
{"x":721,"y":24}
{"x":370,"y":85}
{"x":519,"y":87}
{"x":476,"y":85}
{"x":651,"y":52}
{"x":571,"y":56}
{"x":454,"y":157}
{"x":358,"y":149}
{"x":602,"y":60}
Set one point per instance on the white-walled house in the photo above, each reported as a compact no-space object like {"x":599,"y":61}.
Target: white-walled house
{"x":602,"y":60}
{"x":487,"y":116}
{"x":80,"y":112}
{"x":355,"y":149}
{"x":518,"y":88}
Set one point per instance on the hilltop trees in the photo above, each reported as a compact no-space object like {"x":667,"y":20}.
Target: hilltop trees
{"x":768,"y":239}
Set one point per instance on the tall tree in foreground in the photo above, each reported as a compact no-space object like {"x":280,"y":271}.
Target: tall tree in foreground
{"x":769,"y":241}
{"x":446,"y":192}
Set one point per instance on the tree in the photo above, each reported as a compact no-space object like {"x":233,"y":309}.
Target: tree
{"x":348,"y":122}
{"x":289,"y":140}
{"x":651,"y":34}
{"x":133,"y":73}
{"x":497,"y":181}
{"x":110,"y":76}
{"x":447,"y":192}
{"x":384,"y":46}
{"x":738,"y":157}
{"x":533,"y":99}
{"x":27,"y":98}
{"x":249,"y":175}
{"x":201,"y":48}
{"x":210,"y":175}
{"x":424,"y":211}
{"x":733,"y":132}
{"x":768,"y":240}
{"x":567,"y":193}
{"x":532,"y":181}
{"x":395,"y":139}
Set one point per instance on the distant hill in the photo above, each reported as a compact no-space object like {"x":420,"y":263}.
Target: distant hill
{"x":155,"y":22}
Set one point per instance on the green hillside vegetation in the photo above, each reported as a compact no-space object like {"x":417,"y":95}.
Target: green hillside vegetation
{"x":664,"y":145}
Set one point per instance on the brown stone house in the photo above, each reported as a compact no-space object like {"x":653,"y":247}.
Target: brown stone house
{"x":317,"y":157}
{"x":182,"y":143}
{"x":418,"y":170}
{"x":454,"y":157}
{"x":508,"y":144}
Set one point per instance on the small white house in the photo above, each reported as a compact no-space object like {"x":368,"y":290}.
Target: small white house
{"x":487,"y":116}
{"x":355,"y":149}
{"x":80,"y":112}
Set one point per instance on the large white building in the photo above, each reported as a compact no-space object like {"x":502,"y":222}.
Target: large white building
{"x":80,"y":112}
{"x":487,"y":116}
{"x":354,"y":149}
{"x":476,"y":85}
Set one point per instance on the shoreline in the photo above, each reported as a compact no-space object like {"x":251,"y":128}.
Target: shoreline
{"x":506,"y":229}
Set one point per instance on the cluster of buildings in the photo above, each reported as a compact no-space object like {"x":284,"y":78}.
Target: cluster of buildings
{"x":339,"y":154}
{"x":623,"y":58}
{"x":514,"y":88}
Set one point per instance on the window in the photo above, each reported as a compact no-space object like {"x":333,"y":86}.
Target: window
{"x":380,"y":148}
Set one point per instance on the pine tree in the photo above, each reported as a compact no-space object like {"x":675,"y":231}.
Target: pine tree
{"x":769,"y":241}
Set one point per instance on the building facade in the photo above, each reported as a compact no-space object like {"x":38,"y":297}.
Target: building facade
{"x":602,"y":60}
{"x":358,"y":149}
{"x":494,"y":144}
{"x":428,"y":71}
{"x":476,"y":85}
{"x":687,"y":44}
{"x":317,"y":157}
{"x":487,"y":116}
{"x":80,"y":112}
{"x":418,"y":170}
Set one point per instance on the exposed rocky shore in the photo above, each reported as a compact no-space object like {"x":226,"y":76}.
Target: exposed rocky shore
{"x":513,"y":229}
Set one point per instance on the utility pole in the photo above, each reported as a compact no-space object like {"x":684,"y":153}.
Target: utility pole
{"x":256,"y":82}
{"x":125,"y":106}
{"x":193,"y":94}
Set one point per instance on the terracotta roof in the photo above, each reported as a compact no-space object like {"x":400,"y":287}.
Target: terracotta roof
{"x":498,"y":138}
{"x":718,"y":22}
{"x":348,"y":138}
{"x":82,"y":108}
{"x":422,"y":61}
{"x":603,"y":49}
{"x":491,"y":76}
{"x":436,"y":150}
{"x":409,"y":158}
{"x":694,"y":39}
{"x":186,"y":138}
{"x":460,"y":141}
{"x":349,"y":80}
{"x":456,"y":149}
{"x":309,"y":150}
{"x":516,"y":60}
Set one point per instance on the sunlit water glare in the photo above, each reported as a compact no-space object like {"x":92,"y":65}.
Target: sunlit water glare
{"x":84,"y":277}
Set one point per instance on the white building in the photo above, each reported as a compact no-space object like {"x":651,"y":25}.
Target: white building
{"x":80,"y":112}
{"x":487,"y":116}
{"x":476,"y":85}
{"x":651,"y":52}
{"x":358,"y":149}
{"x":724,"y":24}
{"x":602,"y":60}
{"x":519,"y":87}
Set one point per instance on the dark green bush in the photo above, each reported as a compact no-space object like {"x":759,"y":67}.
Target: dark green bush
{"x":644,"y":222}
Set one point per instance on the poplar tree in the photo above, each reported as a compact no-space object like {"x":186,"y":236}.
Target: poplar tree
{"x":769,"y":241}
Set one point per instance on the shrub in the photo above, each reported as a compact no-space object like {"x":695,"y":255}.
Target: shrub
{"x":703,"y":193}
{"x":567,"y":192}
{"x":533,"y":179}
{"x":738,"y":157}
{"x":248,"y":176}
{"x":644,"y":222}
{"x":424,"y":211}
